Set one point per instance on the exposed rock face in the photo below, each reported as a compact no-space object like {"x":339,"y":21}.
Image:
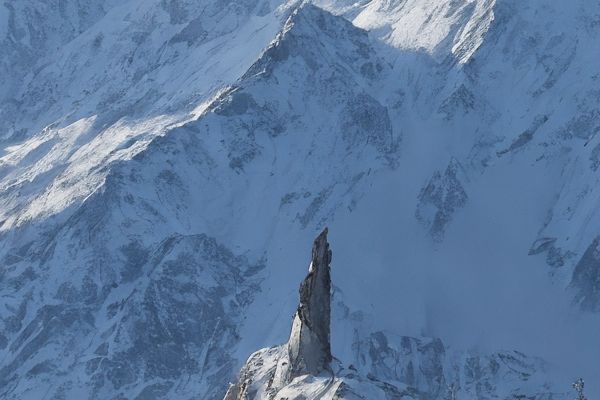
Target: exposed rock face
{"x":308,"y":351}
{"x":586,"y":278}
{"x":443,"y":196}
{"x":309,"y":347}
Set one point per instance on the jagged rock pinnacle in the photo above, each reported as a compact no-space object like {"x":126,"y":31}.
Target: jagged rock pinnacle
{"x":309,"y":347}
{"x":308,"y":350}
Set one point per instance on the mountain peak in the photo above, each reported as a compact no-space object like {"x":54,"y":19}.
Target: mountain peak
{"x":309,"y":345}
{"x":302,"y":368}
{"x":308,"y":350}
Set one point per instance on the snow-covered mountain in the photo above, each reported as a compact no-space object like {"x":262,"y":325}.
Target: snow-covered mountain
{"x":165,"y":163}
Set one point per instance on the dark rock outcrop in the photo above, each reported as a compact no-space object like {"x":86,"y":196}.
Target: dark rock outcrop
{"x":308,"y":350}
{"x":441,"y":198}
{"x":309,"y":347}
{"x":586,"y":278}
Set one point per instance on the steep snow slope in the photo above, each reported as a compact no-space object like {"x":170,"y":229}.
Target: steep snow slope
{"x":117,"y":85}
{"x":521,"y":96}
{"x":502,"y":92}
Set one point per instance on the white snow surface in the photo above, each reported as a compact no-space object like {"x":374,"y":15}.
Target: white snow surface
{"x":164,"y":166}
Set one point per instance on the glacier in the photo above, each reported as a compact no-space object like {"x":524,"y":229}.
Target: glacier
{"x":164,"y":165}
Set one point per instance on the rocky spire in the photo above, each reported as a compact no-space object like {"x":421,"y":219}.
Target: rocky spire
{"x":309,"y":348}
{"x":308,"y":351}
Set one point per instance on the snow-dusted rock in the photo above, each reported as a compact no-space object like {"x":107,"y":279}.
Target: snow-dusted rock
{"x":302,"y":368}
{"x":309,"y":347}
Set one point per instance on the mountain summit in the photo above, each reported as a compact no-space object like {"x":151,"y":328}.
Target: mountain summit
{"x":302,"y":368}
{"x":309,"y":349}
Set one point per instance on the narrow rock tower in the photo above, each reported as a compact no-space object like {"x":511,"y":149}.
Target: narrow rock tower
{"x":309,"y":347}
{"x":308,"y":351}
